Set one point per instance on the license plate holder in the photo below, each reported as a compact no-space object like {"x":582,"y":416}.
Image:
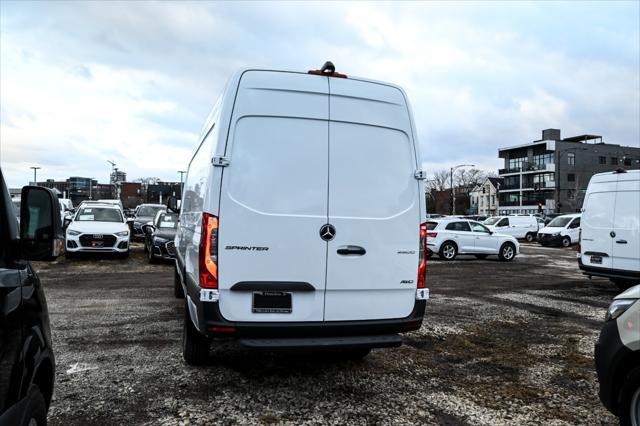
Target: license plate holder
{"x":596,"y":260}
{"x":271,"y":302}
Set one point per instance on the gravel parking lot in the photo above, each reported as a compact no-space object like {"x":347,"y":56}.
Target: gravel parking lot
{"x":502,"y":343}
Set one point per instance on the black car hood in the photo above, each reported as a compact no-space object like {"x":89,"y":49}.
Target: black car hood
{"x":167,"y":234}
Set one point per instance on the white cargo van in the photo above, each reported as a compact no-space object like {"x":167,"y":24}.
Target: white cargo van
{"x":610,"y":237}
{"x":303,"y":216}
{"x":523,"y":227}
{"x":563,"y":230}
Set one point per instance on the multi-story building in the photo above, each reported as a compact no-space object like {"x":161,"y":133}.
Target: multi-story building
{"x":551,"y":175}
{"x":484,"y":199}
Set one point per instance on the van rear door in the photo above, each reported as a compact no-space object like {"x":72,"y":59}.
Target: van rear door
{"x":626,"y":224}
{"x":372,"y":261}
{"x":273,"y":199}
{"x":597,"y":222}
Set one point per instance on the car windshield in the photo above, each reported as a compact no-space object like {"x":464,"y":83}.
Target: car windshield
{"x":492,"y":220}
{"x":146,"y":211}
{"x":99,"y":214}
{"x":167,"y":221}
{"x":559,"y":222}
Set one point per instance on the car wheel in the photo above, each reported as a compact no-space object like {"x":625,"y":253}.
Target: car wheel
{"x":481,"y":256}
{"x":35,"y":408}
{"x":529,"y":237}
{"x":566,"y":242}
{"x":507,"y":252}
{"x":195,"y":346}
{"x":178,"y":291}
{"x":629,"y":409}
{"x":448,"y":251}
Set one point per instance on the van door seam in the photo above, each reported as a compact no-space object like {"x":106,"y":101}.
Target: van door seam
{"x":326,"y":260}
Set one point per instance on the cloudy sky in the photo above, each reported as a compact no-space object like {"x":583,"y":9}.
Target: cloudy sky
{"x":84,"y":82}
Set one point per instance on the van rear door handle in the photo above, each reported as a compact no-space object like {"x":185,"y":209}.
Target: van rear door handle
{"x":351,"y":250}
{"x":621,"y":241}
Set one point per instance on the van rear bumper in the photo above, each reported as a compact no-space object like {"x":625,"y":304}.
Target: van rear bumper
{"x":213,"y":324}
{"x":619,"y":274}
{"x":341,"y":342}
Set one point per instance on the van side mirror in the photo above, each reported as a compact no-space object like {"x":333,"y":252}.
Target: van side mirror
{"x":172,"y":204}
{"x":41,"y":236}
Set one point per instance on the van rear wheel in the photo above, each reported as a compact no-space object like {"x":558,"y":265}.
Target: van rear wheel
{"x":178,"y":291}
{"x":195,"y":346}
{"x":448,"y":251}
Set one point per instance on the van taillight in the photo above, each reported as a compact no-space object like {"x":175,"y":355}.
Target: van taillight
{"x":422,"y":258}
{"x":209,"y":251}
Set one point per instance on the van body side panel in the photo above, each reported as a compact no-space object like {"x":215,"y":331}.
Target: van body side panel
{"x":597,"y":222}
{"x":373,"y":203}
{"x":626,"y":224}
{"x":273,"y":198}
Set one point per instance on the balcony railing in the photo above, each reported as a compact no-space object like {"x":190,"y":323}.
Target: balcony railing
{"x":528,"y":167}
{"x":517,"y":203}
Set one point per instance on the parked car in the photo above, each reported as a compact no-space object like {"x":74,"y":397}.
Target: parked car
{"x":522,"y":227}
{"x":159,"y":236}
{"x":610,"y":240}
{"x":617,"y":357}
{"x":98,"y":228}
{"x":563,"y":230}
{"x":320,"y":259}
{"x":476,"y":218}
{"x":550,"y":216}
{"x":115,"y":202}
{"x":144,"y":214}
{"x":27,"y":363}
{"x":450,"y":237}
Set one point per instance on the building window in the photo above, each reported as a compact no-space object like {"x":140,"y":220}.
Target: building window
{"x":542,"y":159}
{"x":571,"y":194}
{"x":602,"y":160}
{"x":571,"y":177}
{"x":614,"y":161}
{"x":627,"y":161}
{"x":571,"y":159}
{"x":516,"y":163}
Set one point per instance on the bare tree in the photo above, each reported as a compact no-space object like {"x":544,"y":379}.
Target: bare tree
{"x":440,"y":181}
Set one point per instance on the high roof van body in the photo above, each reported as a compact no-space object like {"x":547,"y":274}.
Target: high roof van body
{"x":302,"y":219}
{"x":610,"y":234}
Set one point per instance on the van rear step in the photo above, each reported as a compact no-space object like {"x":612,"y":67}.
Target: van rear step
{"x":380,"y":341}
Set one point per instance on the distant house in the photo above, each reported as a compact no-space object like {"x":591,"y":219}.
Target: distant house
{"x":484,"y":198}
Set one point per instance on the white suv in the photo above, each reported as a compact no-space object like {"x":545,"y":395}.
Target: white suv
{"x":451,"y":237}
{"x":98,"y":228}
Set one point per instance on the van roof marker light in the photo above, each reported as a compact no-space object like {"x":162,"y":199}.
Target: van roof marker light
{"x":328,"y":70}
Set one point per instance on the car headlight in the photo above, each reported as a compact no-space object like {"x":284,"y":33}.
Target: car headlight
{"x":73,"y":233}
{"x":617,"y":308}
{"x":122,"y":234}
{"x":556,"y":234}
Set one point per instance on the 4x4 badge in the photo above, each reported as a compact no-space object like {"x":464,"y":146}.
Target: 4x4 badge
{"x":327,"y":232}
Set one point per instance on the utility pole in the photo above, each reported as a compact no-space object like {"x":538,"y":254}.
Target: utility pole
{"x":453,"y":199}
{"x":35,"y":174}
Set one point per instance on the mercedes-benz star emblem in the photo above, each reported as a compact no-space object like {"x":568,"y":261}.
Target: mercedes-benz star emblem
{"x":327,"y":232}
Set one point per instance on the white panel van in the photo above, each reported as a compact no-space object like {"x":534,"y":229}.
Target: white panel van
{"x":610,"y":237}
{"x":303,"y":217}
{"x":523,"y":227}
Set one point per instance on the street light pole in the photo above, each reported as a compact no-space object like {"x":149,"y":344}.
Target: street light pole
{"x":182,"y":172}
{"x":35,"y":174}
{"x":453,"y":199}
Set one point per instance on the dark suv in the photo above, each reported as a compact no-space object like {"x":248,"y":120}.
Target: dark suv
{"x":26,"y":359}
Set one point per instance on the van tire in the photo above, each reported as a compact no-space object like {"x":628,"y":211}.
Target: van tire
{"x":178,"y":291}
{"x":566,"y":241}
{"x":195,"y":346}
{"x":507,"y":252}
{"x":629,"y":393}
{"x":529,"y":237}
{"x":35,"y":408}
{"x":448,"y":250}
{"x":622,"y":284}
